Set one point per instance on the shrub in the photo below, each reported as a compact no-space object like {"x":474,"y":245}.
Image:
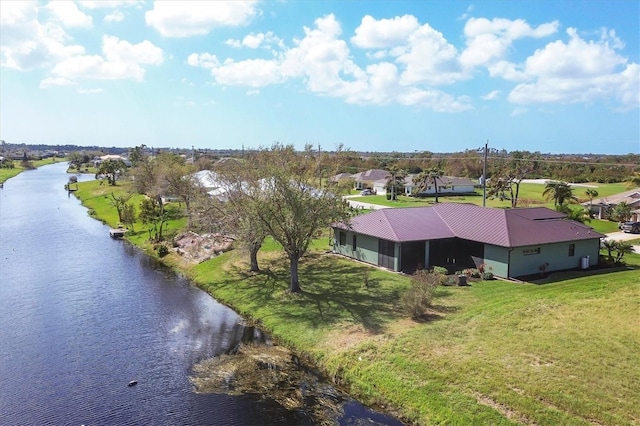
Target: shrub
{"x":162,"y":250}
{"x":487,"y":276}
{"x":419,"y":297}
{"x":440,"y":270}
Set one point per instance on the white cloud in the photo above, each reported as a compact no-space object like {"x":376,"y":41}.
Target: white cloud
{"x":233,"y":42}
{"x":256,"y":40}
{"x":109,"y":4}
{"x":68,"y":14}
{"x":489,"y":40}
{"x":27,"y":44}
{"x":204,"y":60}
{"x":518,"y":111}
{"x":191,"y":18}
{"x":323,"y":62}
{"x":253,"y":92}
{"x":251,"y":72}
{"x":145,"y":52}
{"x":384,"y":33}
{"x":491,"y":95}
{"x":465,"y":15}
{"x":55,"y":82}
{"x":579,"y":72}
{"x":88,"y":91}
{"x":115,"y":16}
{"x":430,"y":59}
{"x":122,"y":60}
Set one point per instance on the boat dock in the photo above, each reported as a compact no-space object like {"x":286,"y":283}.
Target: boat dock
{"x":117,"y":232}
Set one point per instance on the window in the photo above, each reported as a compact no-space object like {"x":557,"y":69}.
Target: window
{"x":354,"y":242}
{"x":572,"y":250}
{"x":530,"y":251}
{"x":343,"y":238}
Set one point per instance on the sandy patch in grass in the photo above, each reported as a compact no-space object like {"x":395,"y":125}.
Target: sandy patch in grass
{"x":503,"y":409}
{"x":349,"y":336}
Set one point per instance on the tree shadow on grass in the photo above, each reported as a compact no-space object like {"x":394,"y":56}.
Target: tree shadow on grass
{"x":332,"y":292}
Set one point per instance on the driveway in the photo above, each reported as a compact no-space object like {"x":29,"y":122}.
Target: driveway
{"x":354,"y":201}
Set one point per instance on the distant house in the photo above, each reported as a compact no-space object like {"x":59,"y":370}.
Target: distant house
{"x":602,"y":207}
{"x":510,"y":242}
{"x":208,"y":180}
{"x":366,"y":179}
{"x":377,"y":179}
{"x":448,"y":185}
{"x":110,"y":157}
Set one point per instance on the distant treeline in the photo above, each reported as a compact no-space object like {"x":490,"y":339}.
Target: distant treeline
{"x":470,"y":163}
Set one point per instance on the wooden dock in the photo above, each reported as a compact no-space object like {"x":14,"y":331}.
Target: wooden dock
{"x":117,"y":232}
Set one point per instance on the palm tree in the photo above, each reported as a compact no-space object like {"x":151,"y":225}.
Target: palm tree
{"x":622,"y":212}
{"x":579,"y":214}
{"x":623,"y":247}
{"x":427,"y":177}
{"x":395,"y":179}
{"x":591,"y":193}
{"x":610,"y":245}
{"x":559,"y":192}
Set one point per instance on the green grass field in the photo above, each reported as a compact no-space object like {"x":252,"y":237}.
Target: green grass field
{"x":565,"y":352}
{"x":496,"y":352}
{"x":97,"y":198}
{"x":17,"y":167}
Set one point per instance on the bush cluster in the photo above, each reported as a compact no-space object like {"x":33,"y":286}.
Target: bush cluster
{"x":419,"y":297}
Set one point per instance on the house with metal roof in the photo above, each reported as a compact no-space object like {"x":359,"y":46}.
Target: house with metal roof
{"x":509,"y":242}
{"x":602,"y":207}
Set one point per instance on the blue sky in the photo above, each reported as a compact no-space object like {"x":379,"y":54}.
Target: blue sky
{"x":550,"y":76}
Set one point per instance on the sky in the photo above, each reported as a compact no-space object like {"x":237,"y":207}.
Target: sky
{"x":442,"y":76}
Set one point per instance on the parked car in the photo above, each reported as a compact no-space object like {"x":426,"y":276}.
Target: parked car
{"x":367,"y":192}
{"x":632,"y":227}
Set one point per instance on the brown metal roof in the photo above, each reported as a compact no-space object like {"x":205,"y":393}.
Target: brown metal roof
{"x":501,"y":227}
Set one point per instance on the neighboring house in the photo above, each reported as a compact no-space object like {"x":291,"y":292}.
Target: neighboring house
{"x":510,"y":242}
{"x":448,"y":185}
{"x":110,"y":157}
{"x":377,"y":179}
{"x":209,"y":182}
{"x":366,"y":179}
{"x":602,"y":207}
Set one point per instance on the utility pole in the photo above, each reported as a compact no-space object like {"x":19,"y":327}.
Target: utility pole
{"x":484,"y":176}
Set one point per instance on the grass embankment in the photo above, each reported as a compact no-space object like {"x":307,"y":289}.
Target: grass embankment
{"x":6,"y":174}
{"x":566,"y":352}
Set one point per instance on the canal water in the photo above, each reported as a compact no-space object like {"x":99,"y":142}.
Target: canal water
{"x":82,"y":315}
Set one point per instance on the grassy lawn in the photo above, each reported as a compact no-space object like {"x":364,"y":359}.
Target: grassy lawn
{"x":17,"y":167}
{"x":564,"y":352}
{"x":97,"y":198}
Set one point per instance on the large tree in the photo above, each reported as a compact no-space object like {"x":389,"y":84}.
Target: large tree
{"x":179,"y":182}
{"x":288,"y":206}
{"x":508,"y":176}
{"x":234,"y":213}
{"x":111,"y":169}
